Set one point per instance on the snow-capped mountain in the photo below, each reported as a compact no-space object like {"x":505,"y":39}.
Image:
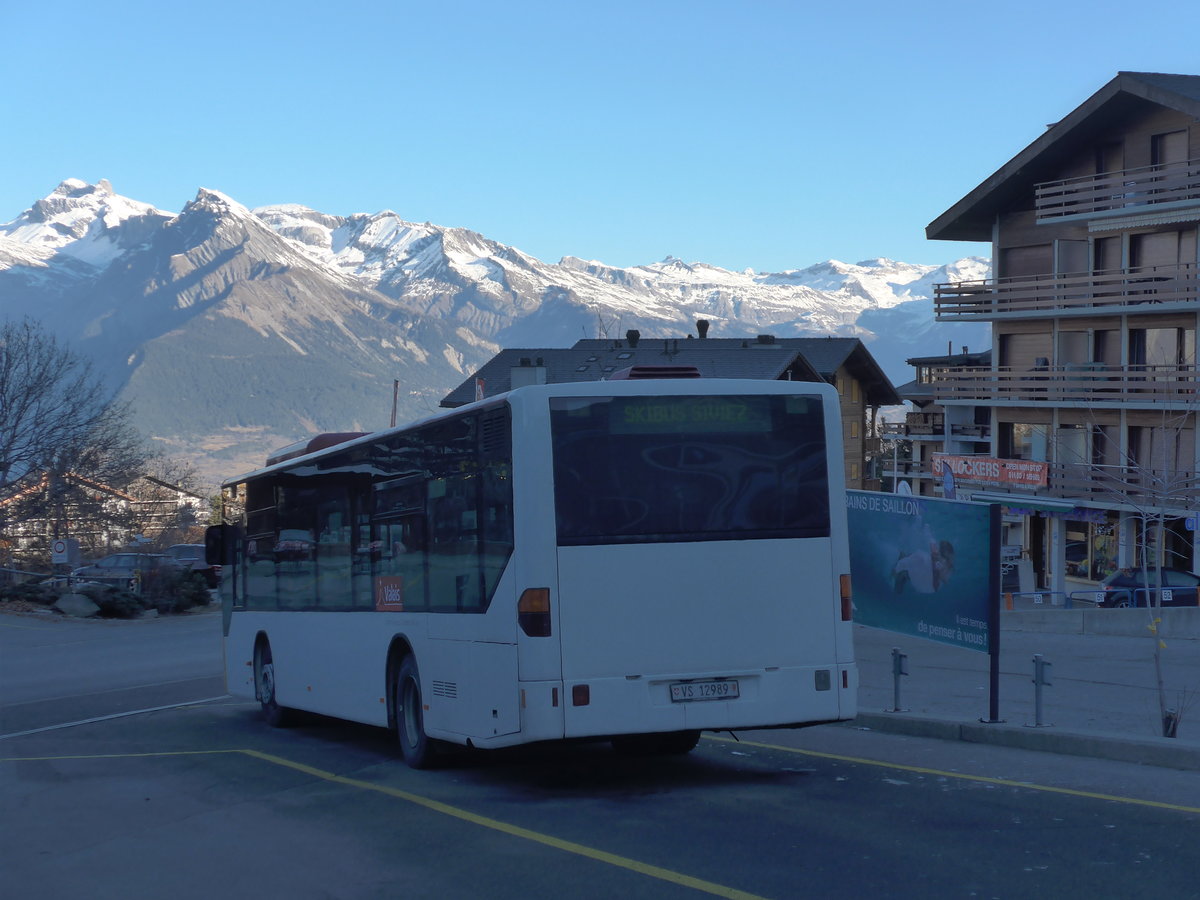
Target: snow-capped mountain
{"x":496,"y":289}
{"x":517,"y":300}
{"x":235,"y":331}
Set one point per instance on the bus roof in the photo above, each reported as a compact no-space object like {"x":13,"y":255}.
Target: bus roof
{"x":280,"y":460}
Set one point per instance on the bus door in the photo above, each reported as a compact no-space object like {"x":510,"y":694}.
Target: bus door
{"x":402,"y":564}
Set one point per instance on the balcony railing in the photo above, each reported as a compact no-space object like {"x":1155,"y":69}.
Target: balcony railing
{"x":1141,"y":487}
{"x":1084,"y":383}
{"x":1130,"y":190}
{"x":982,"y":432}
{"x":905,"y":468}
{"x":1137,"y":485}
{"x":1093,"y":292}
{"x":918,"y":424}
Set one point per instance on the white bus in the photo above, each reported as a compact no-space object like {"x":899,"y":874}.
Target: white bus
{"x":635,"y":560}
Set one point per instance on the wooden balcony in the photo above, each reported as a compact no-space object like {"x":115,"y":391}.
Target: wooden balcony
{"x":1150,"y":288}
{"x":1090,"y":384}
{"x":917,"y":424}
{"x":904,"y":468}
{"x":1136,"y":486}
{"x":1125,"y":192}
{"x":981,"y":432}
{"x":1114,"y":486}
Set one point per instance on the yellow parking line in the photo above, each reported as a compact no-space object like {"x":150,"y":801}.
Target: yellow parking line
{"x":921,"y":770}
{"x":611,"y":859}
{"x":603,"y":856}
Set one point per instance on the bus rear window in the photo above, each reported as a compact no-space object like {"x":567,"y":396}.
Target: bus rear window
{"x":693,"y":468}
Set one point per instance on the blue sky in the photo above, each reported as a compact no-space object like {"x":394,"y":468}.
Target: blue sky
{"x":764,"y":135}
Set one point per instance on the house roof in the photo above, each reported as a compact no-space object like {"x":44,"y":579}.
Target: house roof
{"x":1129,"y":93}
{"x":826,"y":355}
{"x":595,"y":360}
{"x":977,"y":358}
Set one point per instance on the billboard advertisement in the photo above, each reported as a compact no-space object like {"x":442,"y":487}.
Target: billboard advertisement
{"x":991,"y":471}
{"x":925,"y":567}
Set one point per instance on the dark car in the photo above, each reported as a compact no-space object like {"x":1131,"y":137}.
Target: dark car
{"x":1127,"y":587}
{"x":192,"y":556}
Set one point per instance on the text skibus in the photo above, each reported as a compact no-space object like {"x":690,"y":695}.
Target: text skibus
{"x":631,"y":560}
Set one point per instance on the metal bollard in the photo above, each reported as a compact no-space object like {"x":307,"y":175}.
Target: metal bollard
{"x":899,"y":667}
{"x":1041,"y":678}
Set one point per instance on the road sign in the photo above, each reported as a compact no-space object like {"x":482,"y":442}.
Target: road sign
{"x":64,"y":551}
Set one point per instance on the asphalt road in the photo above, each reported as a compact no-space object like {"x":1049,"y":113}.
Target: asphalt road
{"x":205,"y":800}
{"x":55,"y":670}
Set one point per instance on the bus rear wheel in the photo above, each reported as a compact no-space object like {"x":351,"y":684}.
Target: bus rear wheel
{"x":672,"y":743}
{"x":417,"y":748}
{"x":264,"y":683}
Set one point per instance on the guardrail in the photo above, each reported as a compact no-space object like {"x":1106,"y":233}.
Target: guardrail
{"x":1014,"y":600}
{"x":19,"y":576}
{"x":1087,"y":599}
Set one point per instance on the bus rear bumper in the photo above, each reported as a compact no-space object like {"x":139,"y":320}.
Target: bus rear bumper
{"x":688,"y":701}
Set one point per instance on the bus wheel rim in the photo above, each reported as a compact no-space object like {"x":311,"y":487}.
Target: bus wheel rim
{"x":410,"y":698}
{"x":267,"y":684}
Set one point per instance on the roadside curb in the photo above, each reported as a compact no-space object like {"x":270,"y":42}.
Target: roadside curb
{"x":1164,"y":752}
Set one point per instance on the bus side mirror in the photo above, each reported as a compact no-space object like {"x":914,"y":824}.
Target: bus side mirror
{"x":219,"y":544}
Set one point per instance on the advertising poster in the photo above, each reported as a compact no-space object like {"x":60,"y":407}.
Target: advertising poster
{"x":922,"y":566}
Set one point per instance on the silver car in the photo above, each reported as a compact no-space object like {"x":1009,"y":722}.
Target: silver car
{"x":122,"y":569}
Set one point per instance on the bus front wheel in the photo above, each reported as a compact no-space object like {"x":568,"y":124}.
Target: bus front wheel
{"x":418,"y":749}
{"x":264,"y":682}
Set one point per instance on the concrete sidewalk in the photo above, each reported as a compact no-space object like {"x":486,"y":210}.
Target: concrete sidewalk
{"x":1102,"y":700}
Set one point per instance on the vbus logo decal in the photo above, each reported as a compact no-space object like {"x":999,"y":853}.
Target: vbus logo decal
{"x":389,"y":593}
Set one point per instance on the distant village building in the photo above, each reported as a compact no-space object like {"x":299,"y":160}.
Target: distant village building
{"x":930,"y":428}
{"x":843,"y":362}
{"x":41,"y":508}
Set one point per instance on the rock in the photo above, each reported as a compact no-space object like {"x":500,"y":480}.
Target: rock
{"x":76,"y":605}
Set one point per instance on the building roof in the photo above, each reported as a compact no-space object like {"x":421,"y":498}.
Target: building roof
{"x":1128,"y":94}
{"x":595,"y":360}
{"x":826,"y":355}
{"x":966,"y":358}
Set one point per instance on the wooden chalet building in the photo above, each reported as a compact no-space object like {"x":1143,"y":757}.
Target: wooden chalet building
{"x":843,"y":362}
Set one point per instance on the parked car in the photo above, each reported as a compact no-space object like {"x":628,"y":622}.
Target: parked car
{"x":121,"y":568}
{"x":192,"y":556}
{"x":1127,"y":587}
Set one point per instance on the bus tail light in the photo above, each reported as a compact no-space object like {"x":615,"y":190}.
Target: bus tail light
{"x":847,"y":598}
{"x":533,"y":612}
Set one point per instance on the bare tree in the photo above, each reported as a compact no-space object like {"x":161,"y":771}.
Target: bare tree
{"x":1151,"y":482}
{"x":66,"y":449}
{"x":176,"y":502}
{"x":50,"y":401}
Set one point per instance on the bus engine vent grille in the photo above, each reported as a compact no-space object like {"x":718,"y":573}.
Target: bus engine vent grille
{"x":495,"y":432}
{"x":447,"y":689}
